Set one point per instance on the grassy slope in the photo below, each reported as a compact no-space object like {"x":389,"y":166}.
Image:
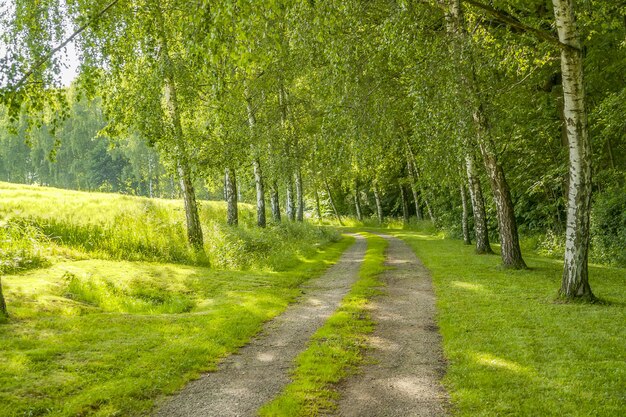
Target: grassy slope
{"x":114,"y":226}
{"x":336,"y":348}
{"x":72,"y":347}
{"x":92,"y":333}
{"x":513,"y":350}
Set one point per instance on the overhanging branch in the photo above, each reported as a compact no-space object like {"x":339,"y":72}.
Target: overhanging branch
{"x":46,"y":58}
{"x":512,"y":21}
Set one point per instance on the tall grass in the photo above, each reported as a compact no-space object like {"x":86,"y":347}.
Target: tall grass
{"x":113,"y":226}
{"x":21,"y":247}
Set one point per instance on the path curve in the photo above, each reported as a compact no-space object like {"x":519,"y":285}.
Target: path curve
{"x":404,"y":368}
{"x":257,"y":373}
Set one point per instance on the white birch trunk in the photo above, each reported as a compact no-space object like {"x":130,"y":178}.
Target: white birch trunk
{"x":575,"y":282}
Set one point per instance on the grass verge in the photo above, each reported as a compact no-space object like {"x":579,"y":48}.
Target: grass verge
{"x":106,"y":338}
{"x":336,"y":349}
{"x":512,"y":349}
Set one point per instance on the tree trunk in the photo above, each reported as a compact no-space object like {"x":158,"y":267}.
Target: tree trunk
{"x":275,"y":202}
{"x":357,"y":203}
{"x":507,"y":224}
{"x":465,"y":217}
{"x":332,"y":202}
{"x":416,"y":200}
{"x":414,"y":174}
{"x":429,"y":209}
{"x":575,"y":282}
{"x":256,"y":165}
{"x":260,"y":194}
{"x":379,"y":206}
{"x":230,"y":180}
{"x":3,"y":305}
{"x":291,"y":204}
{"x":478,"y":207}
{"x":299,"y":196}
{"x":405,"y":205}
{"x":318,"y":210}
{"x":413,"y":178}
{"x":194,"y":229}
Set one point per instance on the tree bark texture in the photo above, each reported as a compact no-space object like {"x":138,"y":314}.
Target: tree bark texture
{"x":481,"y":230}
{"x":299,"y":196}
{"x":507,"y":224}
{"x":379,"y":206}
{"x":275,"y":202}
{"x":465,"y":216}
{"x":230,"y":180}
{"x":575,"y":281}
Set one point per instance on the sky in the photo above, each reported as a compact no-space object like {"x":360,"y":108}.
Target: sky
{"x":69,"y":69}
{"x":68,"y":56}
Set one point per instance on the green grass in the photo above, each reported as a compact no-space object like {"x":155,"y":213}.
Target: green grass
{"x":114,"y":226}
{"x":336,"y":349}
{"x":106,"y":338}
{"x":512,"y":349}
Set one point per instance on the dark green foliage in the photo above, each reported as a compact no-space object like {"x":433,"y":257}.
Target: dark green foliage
{"x":609,"y":226}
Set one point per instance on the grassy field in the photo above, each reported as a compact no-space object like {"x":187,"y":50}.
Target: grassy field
{"x":98,"y":327}
{"x":336,"y":349}
{"x":512,"y":349}
{"x":114,"y":226}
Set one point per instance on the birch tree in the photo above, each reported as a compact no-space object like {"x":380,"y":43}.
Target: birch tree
{"x":575,"y":282}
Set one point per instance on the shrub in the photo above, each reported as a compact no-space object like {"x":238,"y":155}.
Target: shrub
{"x":608,"y":232}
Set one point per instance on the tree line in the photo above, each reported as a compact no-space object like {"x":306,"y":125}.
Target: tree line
{"x":477,"y":115}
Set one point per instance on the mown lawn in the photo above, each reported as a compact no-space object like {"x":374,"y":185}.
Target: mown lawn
{"x":512,"y":349}
{"x":105,"y":338}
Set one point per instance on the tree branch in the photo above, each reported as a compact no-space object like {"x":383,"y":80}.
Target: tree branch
{"x":46,"y":58}
{"x":512,"y":21}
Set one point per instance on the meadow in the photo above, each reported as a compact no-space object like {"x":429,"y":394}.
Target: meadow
{"x":109,"y":308}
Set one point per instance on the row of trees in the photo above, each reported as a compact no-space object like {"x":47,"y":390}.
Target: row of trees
{"x":427,"y":100}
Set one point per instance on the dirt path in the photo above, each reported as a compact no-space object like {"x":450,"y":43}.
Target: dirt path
{"x":406,"y":363}
{"x":247,"y":380}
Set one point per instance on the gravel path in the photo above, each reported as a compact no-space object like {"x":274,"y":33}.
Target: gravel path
{"x":406,"y":363}
{"x":247,"y":380}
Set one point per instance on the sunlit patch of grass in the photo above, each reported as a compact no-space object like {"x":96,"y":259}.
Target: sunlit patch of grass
{"x":513,"y":350}
{"x":336,"y":349}
{"x":114,"y":226}
{"x":96,"y":337}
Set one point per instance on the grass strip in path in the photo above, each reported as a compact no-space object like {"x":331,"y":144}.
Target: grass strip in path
{"x":257,"y":373}
{"x":515,"y":351}
{"x":102,"y":341}
{"x":336,"y":349}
